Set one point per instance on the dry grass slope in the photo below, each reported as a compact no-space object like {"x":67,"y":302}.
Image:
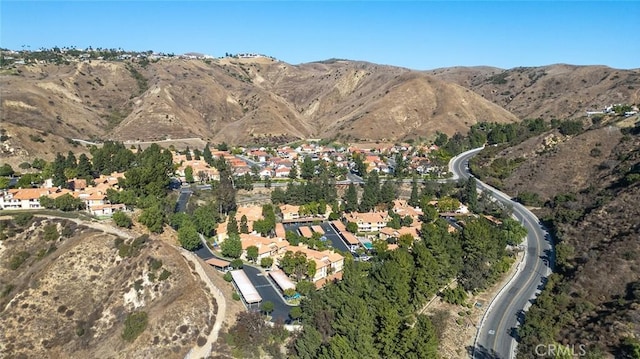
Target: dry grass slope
{"x":73,"y":301}
{"x":237,"y":101}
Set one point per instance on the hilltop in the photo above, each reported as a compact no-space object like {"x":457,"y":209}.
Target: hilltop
{"x":585,"y":187}
{"x":68,"y":289}
{"x":555,"y":91}
{"x":237,"y":100}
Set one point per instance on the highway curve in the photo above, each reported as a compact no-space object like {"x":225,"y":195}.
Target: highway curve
{"x":496,"y":336}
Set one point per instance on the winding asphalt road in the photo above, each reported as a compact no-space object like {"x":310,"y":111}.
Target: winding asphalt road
{"x":496,"y":337}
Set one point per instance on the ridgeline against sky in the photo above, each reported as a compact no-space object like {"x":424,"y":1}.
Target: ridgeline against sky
{"x":418,"y":35}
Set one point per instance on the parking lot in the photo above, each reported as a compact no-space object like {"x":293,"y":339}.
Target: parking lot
{"x":262,"y":284}
{"x":332,"y":236}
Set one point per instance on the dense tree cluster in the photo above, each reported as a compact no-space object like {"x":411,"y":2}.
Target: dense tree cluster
{"x":316,"y":190}
{"x":370,"y":313}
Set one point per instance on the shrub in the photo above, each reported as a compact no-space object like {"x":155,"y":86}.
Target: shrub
{"x":227,"y":277}
{"x":22,"y":219}
{"x":118,"y":242}
{"x":236,"y":296}
{"x":570,"y":127}
{"x":164,"y":275}
{"x":36,"y":138}
{"x":6,"y":290}
{"x":456,"y":295}
{"x":17,"y":259}
{"x":67,"y":230}
{"x":134,"y":325}
{"x":51,"y":232}
{"x":122,"y":220}
{"x":155,"y":264}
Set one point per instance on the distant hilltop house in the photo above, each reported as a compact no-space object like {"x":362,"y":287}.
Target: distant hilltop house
{"x":249,"y":55}
{"x":619,"y":109}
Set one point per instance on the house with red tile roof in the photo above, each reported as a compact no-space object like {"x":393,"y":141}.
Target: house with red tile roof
{"x":27,"y":198}
{"x":368,"y":221}
{"x":267,"y":247}
{"x":327,"y":261}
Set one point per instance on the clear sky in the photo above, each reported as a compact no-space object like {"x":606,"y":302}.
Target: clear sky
{"x":417,"y":34}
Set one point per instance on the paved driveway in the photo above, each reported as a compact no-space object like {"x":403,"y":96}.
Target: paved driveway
{"x":260,"y":281}
{"x":268,"y":292}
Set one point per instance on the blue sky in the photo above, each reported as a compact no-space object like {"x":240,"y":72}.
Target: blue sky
{"x":418,"y":34}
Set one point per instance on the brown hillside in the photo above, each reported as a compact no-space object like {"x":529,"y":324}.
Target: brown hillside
{"x":555,"y":91}
{"x":232,"y":100}
{"x":71,"y":296}
{"x":590,"y":186}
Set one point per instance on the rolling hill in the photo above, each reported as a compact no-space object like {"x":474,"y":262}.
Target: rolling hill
{"x":232,"y":100}
{"x":555,"y":91}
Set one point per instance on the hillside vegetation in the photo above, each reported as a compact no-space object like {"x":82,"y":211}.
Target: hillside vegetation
{"x":556,"y":91}
{"x":69,"y":291}
{"x":586,"y":186}
{"x":234,"y":100}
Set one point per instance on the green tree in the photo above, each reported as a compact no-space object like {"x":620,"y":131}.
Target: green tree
{"x":387,"y":193}
{"x":427,"y":344}
{"x":414,"y":198}
{"x":237,"y":263}
{"x":371,"y":192}
{"x":441,"y":139}
{"x":176,"y":219}
{"x":28,"y":180}
{"x":188,"y":174}
{"x":47,"y":202}
{"x":448,"y":204}
{"x":153,"y":218}
{"x":225,"y":191}
{"x":206,"y":154}
{"x":305,"y":287}
{"x":4,"y":182}
{"x":244,"y":227}
{"x":267,"y":307}
{"x":350,"y":199}
{"x":232,"y":224}
{"x":222,"y":146}
{"x":188,"y":236}
{"x":38,"y":164}
{"x":295,"y":313}
{"x":51,"y":232}
{"x":352,"y":227}
{"x":206,"y":219}
{"x":252,"y":253}
{"x":293,"y":172}
{"x":84,"y":169}
{"x":307,"y":170}
{"x":71,"y":161}
{"x":294,"y":264}
{"x":122,"y":220}
{"x":232,"y":246}
{"x":513,"y":231}
{"x":311,"y":269}
{"x":6,"y":170}
{"x":59,"y":178}
{"x":67,"y":203}
{"x":471,"y":194}
{"x":266,"y":262}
